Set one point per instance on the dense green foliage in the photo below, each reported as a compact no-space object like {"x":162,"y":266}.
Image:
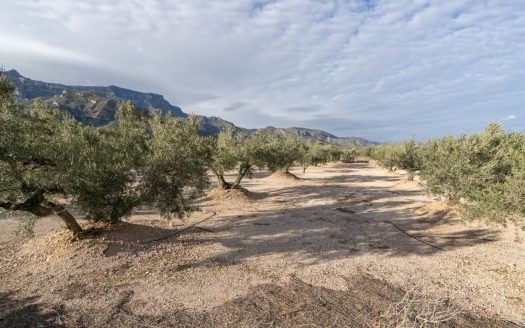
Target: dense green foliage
{"x":28,"y":148}
{"x":266,"y":149}
{"x":104,"y":172}
{"x":277,"y":154}
{"x":176,"y":166}
{"x":483,"y":172}
{"x":311,"y":154}
{"x":234,"y":150}
{"x":394,"y":156}
{"x":333,"y":153}
{"x":348,"y":155}
{"x":314,"y":154}
{"x":99,"y":166}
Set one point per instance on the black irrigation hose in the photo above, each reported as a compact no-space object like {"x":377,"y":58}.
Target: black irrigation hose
{"x":409,"y":235}
{"x":344,"y":210}
{"x":181,"y":230}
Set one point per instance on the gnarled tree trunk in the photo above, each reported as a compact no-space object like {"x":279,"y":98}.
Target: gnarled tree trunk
{"x":70,"y":221}
{"x":33,"y":206}
{"x":223,"y":184}
{"x":243,"y":169}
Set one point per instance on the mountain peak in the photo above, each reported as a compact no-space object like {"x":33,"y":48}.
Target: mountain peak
{"x":13,"y":72}
{"x":29,"y":89}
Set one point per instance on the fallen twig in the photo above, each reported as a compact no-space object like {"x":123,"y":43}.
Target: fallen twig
{"x":515,"y":323}
{"x":204,"y":229}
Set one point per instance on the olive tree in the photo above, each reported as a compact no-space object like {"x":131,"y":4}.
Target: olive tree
{"x":99,"y":167}
{"x":503,"y":201}
{"x":483,"y":171}
{"x":29,"y":172}
{"x":458,"y":167}
{"x":365,"y":151}
{"x":104,"y":172}
{"x":332,"y":153}
{"x":159,"y":162}
{"x":446,"y":167}
{"x":175,"y":168}
{"x":407,"y":157}
{"x":394,"y":156}
{"x":311,"y":154}
{"x":348,"y":155}
{"x":233,"y":150}
{"x":277,"y":154}
{"x":387,"y":156}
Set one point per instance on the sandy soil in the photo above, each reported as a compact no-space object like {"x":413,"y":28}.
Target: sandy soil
{"x":343,"y":245}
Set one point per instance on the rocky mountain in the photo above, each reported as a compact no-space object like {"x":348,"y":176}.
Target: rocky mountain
{"x":323,"y":137}
{"x":28,"y":89}
{"x":95,"y":105}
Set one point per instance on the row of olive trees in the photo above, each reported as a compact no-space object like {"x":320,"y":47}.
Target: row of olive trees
{"x":484,"y":172}
{"x":314,"y":154}
{"x":248,"y":153}
{"x":266,"y":150}
{"x":47,"y":157}
{"x":394,"y":156}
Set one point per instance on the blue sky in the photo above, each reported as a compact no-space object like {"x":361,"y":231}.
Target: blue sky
{"x":383,"y":70}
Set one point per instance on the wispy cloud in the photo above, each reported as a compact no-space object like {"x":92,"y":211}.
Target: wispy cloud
{"x":509,"y":118}
{"x":303,"y":109}
{"x":235,"y":106}
{"x":446,"y":64}
{"x":37,"y":50}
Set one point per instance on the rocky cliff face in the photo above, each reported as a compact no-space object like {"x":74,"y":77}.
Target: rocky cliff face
{"x":74,"y":97}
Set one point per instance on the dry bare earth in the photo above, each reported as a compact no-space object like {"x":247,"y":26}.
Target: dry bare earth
{"x":340,"y":247}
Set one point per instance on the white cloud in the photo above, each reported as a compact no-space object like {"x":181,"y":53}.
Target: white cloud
{"x":36,"y":50}
{"x":509,"y":118}
{"x":384,"y":64}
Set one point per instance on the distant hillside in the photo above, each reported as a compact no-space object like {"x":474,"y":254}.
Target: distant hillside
{"x":324,"y":137}
{"x":95,"y":105}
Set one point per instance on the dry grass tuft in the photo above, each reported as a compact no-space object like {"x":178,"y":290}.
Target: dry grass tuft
{"x":405,"y":181}
{"x":437,"y":209}
{"x":414,"y":310}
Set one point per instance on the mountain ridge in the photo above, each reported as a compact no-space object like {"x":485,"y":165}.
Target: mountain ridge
{"x":96,"y":105}
{"x":28,"y":89}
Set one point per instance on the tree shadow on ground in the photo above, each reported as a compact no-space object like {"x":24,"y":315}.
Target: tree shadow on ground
{"x":310,"y":224}
{"x":316,"y":223}
{"x":323,"y":222}
{"x":353,"y":178}
{"x":318,"y":226}
{"x":27,"y":312}
{"x":367,"y":302}
{"x":133,"y":238}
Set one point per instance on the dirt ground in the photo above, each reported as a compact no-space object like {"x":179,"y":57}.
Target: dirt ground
{"x":345,"y":245}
